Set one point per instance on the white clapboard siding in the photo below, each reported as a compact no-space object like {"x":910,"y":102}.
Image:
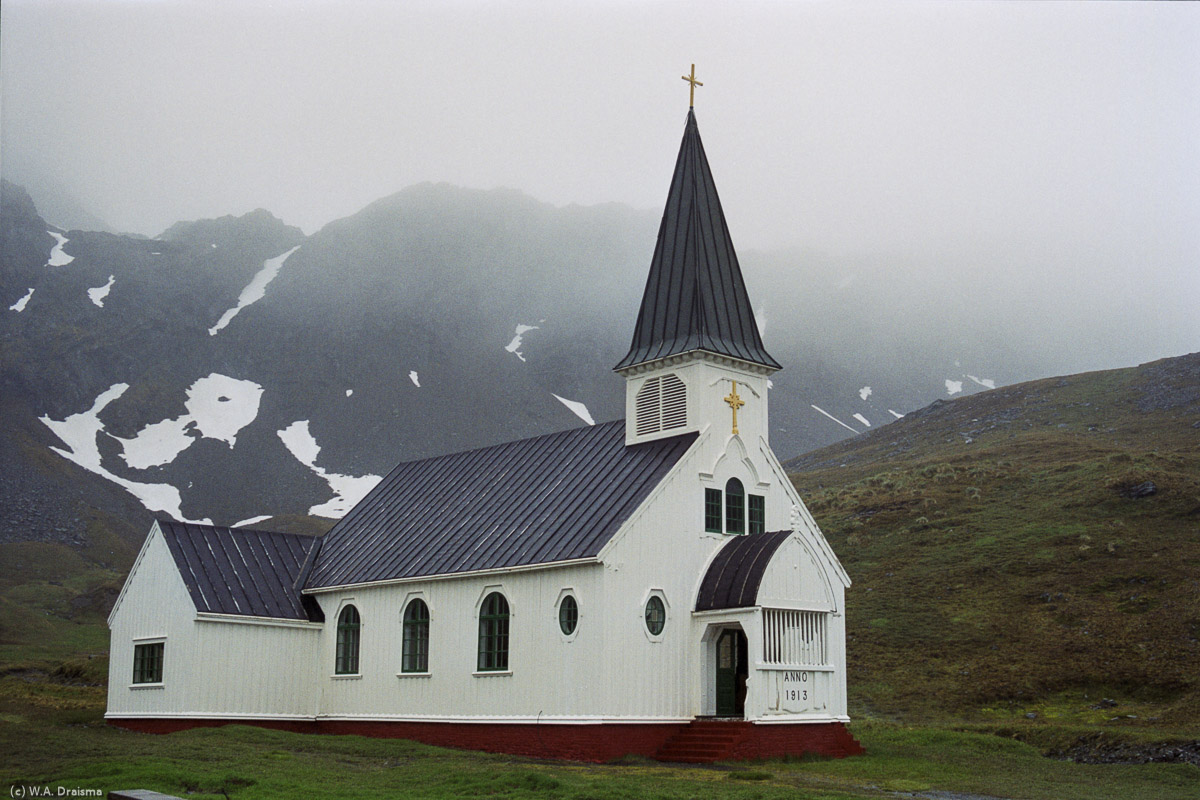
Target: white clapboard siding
{"x":543,"y":664}
{"x":210,"y":669}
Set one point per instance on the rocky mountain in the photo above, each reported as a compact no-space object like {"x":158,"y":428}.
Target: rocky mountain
{"x":234,"y":368}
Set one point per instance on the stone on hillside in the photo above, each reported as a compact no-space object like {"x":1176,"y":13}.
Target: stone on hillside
{"x":1140,"y":490}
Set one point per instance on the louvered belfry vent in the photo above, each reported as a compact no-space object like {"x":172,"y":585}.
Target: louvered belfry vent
{"x":661,"y":405}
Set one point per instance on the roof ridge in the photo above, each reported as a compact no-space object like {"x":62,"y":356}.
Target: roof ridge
{"x":173,"y":523}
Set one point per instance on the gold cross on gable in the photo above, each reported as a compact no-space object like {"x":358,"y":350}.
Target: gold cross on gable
{"x":735,"y":403}
{"x":692,"y":95}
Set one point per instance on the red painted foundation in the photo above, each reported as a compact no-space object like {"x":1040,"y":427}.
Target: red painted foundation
{"x":700,"y":741}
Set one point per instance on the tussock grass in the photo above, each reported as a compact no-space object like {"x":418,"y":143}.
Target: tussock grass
{"x":1010,"y":576}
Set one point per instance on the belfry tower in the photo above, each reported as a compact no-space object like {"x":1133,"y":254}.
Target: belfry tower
{"x":697,"y":357}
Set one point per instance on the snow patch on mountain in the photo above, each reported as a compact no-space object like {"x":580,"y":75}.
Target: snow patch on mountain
{"x":348,"y":490}
{"x":79,"y":431}
{"x":987,"y":383}
{"x":349,"y":392}
{"x":255,"y":290}
{"x":218,"y":407}
{"x":953,"y":387}
{"x":222,"y":406}
{"x":577,"y":408}
{"x":412,"y":376}
{"x":895,"y":414}
{"x":862,"y":419}
{"x":57,"y":257}
{"x":300,"y":443}
{"x":835,"y":419}
{"x":251,"y":521}
{"x":513,"y":346}
{"x":98,"y":294}
{"x":157,"y":444}
{"x":19,"y":306}
{"x":864,"y":392}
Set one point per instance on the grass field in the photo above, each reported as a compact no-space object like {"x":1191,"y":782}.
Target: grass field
{"x":73,"y":749}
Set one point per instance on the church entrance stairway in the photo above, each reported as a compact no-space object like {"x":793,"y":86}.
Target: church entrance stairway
{"x":706,"y":740}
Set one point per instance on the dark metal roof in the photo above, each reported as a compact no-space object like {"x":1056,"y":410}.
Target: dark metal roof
{"x":241,"y":571}
{"x":734,"y":575}
{"x":535,"y":501}
{"x":695,"y":297}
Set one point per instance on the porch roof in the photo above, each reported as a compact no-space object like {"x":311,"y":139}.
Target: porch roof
{"x":736,"y":571}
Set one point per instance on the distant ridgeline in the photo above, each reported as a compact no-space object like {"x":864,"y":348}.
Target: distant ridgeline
{"x":233,"y":368}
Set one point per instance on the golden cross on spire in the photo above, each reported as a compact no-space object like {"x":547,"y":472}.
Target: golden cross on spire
{"x":692,"y":97}
{"x":735,"y":403}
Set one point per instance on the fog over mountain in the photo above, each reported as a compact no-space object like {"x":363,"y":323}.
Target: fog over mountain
{"x":422,"y":226}
{"x":1002,"y":162}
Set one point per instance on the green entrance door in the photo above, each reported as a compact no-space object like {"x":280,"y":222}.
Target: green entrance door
{"x":731,"y":673}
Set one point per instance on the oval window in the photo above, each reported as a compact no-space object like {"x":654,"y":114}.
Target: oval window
{"x":568,"y":615}
{"x":656,"y":615}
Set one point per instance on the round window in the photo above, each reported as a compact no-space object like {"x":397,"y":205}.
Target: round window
{"x":656,"y":615}
{"x":568,"y":615}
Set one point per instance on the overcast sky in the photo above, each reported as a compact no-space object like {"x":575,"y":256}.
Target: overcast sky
{"x":1065,"y":131}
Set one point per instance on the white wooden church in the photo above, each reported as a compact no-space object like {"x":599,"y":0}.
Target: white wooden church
{"x":653,"y":585}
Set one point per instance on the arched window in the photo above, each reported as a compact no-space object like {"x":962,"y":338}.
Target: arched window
{"x":493,"y":634}
{"x":347,"y":641}
{"x":735,"y":507}
{"x":415,"y":657}
{"x":568,"y":615}
{"x":656,"y":615}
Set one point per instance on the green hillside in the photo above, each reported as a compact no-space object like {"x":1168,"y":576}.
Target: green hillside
{"x":1031,"y":550}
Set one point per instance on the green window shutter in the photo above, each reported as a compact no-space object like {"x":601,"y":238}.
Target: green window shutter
{"x":348,"y":627}
{"x":415,"y":655}
{"x":712,"y":510}
{"x":735,"y":507}
{"x":493,"y":634}
{"x":758,"y":513}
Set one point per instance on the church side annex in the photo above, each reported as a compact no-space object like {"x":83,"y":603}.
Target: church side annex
{"x":652,"y":585}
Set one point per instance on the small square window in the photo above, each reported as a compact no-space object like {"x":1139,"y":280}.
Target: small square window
{"x":758,"y":513}
{"x":148,"y":662}
{"x":712,"y":510}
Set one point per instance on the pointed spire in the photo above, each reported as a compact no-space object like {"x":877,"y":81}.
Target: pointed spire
{"x":695,"y":297}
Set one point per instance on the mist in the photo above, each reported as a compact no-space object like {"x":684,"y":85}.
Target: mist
{"x":1027,"y":171}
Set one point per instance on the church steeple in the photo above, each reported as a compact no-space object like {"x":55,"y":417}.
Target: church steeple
{"x":695,"y":298}
{"x":696,"y":358}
